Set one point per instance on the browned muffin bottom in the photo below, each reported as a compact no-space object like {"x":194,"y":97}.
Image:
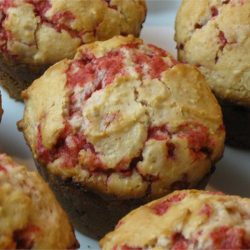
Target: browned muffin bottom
{"x":237,"y":123}
{"x":125,"y":122}
{"x":92,"y":213}
{"x":37,"y":33}
{"x":17,"y":77}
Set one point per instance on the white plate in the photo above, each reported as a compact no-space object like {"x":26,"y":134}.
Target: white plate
{"x":233,"y":172}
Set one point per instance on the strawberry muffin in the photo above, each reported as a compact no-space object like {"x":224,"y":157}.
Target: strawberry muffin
{"x":215,"y":36}
{"x":123,"y":123}
{"x":37,"y":33}
{"x":184,"y":220}
{"x":30,"y":216}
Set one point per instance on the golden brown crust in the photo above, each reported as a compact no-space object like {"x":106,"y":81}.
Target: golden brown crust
{"x":185,"y":220}
{"x":214,"y":35}
{"x":30,"y":215}
{"x":126,"y":130}
{"x":35,"y":34}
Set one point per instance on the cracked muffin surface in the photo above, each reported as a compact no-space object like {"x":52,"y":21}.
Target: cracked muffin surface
{"x":46,"y":31}
{"x":185,"y":220}
{"x":37,"y":33}
{"x":124,"y":119}
{"x":30,"y":216}
{"x":214,"y":35}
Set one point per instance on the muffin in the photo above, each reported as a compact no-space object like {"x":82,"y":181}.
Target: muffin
{"x":215,"y":36}
{"x":185,"y":220}
{"x":124,"y":123}
{"x":30,"y":216}
{"x":37,"y":33}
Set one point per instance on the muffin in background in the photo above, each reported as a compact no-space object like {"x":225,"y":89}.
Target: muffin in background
{"x":37,"y":33}
{"x":30,"y":216}
{"x":123,"y":124}
{"x":185,"y":220}
{"x":215,"y":36}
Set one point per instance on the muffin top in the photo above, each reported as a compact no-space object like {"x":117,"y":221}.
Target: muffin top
{"x":215,"y":36}
{"x":30,"y":216}
{"x":38,"y":32}
{"x":124,"y":118}
{"x":185,"y":220}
